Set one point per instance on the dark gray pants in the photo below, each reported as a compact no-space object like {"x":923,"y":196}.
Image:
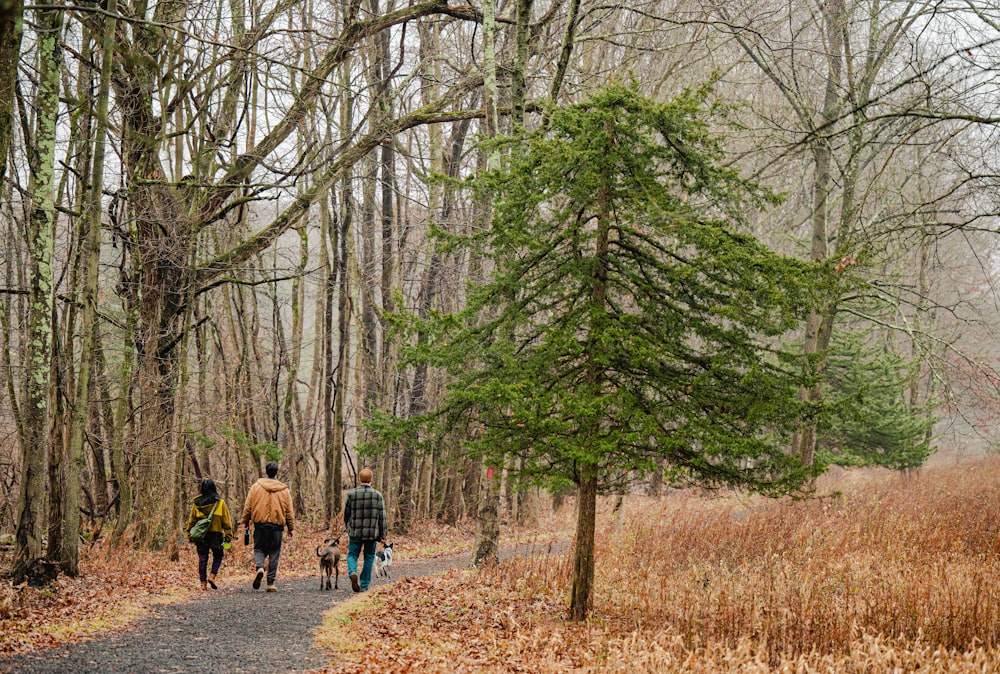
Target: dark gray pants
{"x":267,"y":545}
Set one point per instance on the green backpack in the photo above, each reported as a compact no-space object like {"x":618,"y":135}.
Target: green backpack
{"x":198,"y":530}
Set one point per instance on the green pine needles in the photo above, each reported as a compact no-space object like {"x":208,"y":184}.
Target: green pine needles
{"x":868,"y":420}
{"x":626,"y":322}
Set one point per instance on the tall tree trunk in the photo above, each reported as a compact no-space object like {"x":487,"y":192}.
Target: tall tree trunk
{"x":581,"y":595}
{"x":427,"y":479}
{"x":337,"y":375}
{"x":11,"y":30}
{"x":103,"y":431}
{"x":518,"y":75}
{"x":569,"y":39}
{"x":122,"y":449}
{"x":291,"y":359}
{"x":336,"y":379}
{"x":924,"y":321}
{"x":487,"y":542}
{"x":368,"y":356}
{"x":529,"y":507}
{"x":453,"y":497}
{"x":819,"y":324}
{"x":583,"y":551}
{"x":64,"y":476}
{"x":58,"y":393}
{"x":38,"y":358}
{"x":486,"y":547}
{"x":91,"y":253}
{"x":11,"y":305}
{"x":337,"y":446}
{"x":179,"y":437}
{"x":328,"y":294}
{"x":387,"y":190}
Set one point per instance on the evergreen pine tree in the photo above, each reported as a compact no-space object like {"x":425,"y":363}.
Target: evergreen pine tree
{"x":867,"y":421}
{"x":628,"y":322}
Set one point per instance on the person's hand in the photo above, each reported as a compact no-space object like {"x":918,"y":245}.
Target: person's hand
{"x":290,"y":534}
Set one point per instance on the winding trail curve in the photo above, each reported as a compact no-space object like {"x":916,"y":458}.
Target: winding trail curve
{"x":234,"y":629}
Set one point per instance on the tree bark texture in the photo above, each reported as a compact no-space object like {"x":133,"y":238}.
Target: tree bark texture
{"x":581,"y":594}
{"x":35,"y":444}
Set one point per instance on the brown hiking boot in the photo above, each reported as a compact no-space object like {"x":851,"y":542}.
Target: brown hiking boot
{"x":354,"y":582}
{"x":272,"y":588}
{"x":256,"y":579}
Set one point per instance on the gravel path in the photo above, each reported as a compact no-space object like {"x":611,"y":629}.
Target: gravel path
{"x":234,"y":629}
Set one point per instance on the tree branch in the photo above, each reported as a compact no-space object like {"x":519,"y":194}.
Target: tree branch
{"x":428,"y":114}
{"x":351,"y":35}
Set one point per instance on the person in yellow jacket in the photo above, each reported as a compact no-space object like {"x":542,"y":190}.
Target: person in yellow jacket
{"x":219,"y":533}
{"x":269,"y":507}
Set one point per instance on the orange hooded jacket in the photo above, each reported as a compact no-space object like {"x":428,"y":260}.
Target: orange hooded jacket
{"x":269,"y":502}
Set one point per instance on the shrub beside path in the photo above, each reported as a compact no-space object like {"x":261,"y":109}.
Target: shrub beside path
{"x":232,"y":629}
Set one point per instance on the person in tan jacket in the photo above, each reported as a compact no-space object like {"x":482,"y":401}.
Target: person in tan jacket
{"x":269,"y":507}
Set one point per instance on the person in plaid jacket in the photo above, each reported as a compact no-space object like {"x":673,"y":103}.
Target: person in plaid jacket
{"x":364,"y":517}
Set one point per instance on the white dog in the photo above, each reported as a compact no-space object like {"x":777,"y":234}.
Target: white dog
{"x":383,"y":560}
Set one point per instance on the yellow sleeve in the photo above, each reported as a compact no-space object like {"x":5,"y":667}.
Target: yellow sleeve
{"x":226,"y":520}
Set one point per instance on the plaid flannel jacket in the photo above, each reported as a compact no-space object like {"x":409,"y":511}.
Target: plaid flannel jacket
{"x":364,"y":514}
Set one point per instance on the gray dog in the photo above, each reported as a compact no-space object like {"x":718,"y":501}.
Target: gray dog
{"x":329,"y":563}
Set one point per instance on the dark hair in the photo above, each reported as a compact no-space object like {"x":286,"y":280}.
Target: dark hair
{"x":208,"y":488}
{"x":271,"y":468}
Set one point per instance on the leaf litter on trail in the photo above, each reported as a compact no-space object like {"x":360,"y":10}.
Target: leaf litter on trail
{"x":451,"y":622}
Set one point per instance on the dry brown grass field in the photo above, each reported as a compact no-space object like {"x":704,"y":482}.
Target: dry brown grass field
{"x":882,"y":573}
